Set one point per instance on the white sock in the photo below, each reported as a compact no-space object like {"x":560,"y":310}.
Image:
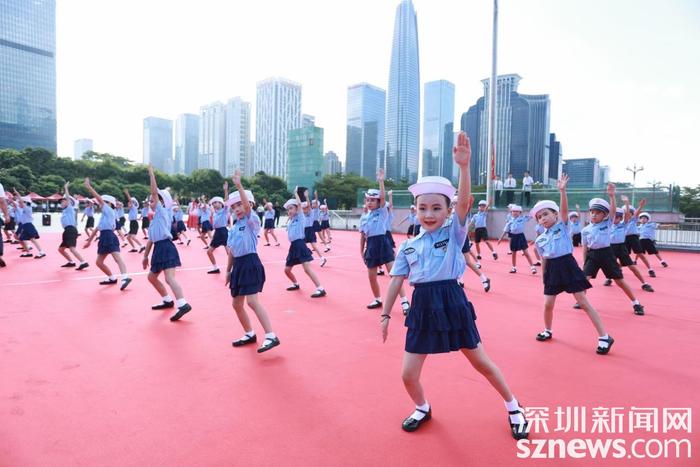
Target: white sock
{"x":602,"y":343}
{"x":420,"y":415}
{"x":635,"y":302}
{"x":320,"y":288}
{"x":404,"y":299}
{"x":270,"y":335}
{"x":250,"y":333}
{"x":181,"y":302}
{"x":113,"y":278}
{"x":484,"y":278}
{"x":125,"y":277}
{"x":512,"y":406}
{"x":379,"y":299}
{"x":214,"y":268}
{"x":167,"y":298}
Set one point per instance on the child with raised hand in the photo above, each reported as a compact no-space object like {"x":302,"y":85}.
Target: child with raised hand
{"x":560,"y":271}
{"x":515,"y":228}
{"x":132,"y":235}
{"x":310,"y":221}
{"x":597,"y":252}
{"x":617,"y":243}
{"x":374,"y":246}
{"x":441,"y":319}
{"x":69,"y":240}
{"x":165,"y":256}
{"x":29,"y":232}
{"x":220,"y":228}
{"x":325,"y":225}
{"x":575,"y":226}
{"x":647,"y":237}
{"x":299,"y":253}
{"x":245,"y":272}
{"x":469,"y":257}
{"x":481,"y":233}
{"x":89,"y":213}
{"x":108,"y":244}
{"x":269,"y":226}
{"x":632,"y":240}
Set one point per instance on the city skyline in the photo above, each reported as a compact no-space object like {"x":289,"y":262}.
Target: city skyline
{"x":592,"y":63}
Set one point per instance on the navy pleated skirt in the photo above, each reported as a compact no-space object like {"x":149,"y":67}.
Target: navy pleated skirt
{"x":298,"y":253}
{"x":206,"y":227}
{"x":390,"y":239}
{"x":563,"y":274}
{"x":325,"y":225}
{"x":467,"y":245}
{"x":19,"y":229}
{"x":220,"y":237}
{"x":248,"y":275}
{"x":29,"y":232}
{"x":378,"y":251}
{"x":441,"y":319}
{"x":108,"y":243}
{"x":518,"y":242}
{"x":317,"y":226}
{"x":181,"y":227}
{"x":269,"y":224}
{"x":165,"y":256}
{"x":310,"y":234}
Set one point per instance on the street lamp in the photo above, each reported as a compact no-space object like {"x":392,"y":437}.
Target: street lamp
{"x":634,"y":171}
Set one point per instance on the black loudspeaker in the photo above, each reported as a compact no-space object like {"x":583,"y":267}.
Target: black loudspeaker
{"x":46,"y":219}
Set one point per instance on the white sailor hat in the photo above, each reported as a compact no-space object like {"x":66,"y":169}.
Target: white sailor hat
{"x":517,"y":208}
{"x":545,"y":204}
{"x":109,"y":199}
{"x":167,"y":199}
{"x":631,"y":209}
{"x":483,"y":202}
{"x":304,"y":204}
{"x":373,"y":193}
{"x":291,"y":202}
{"x":432,"y":185}
{"x":454,"y":199}
{"x":645,"y":214}
{"x":269,"y":204}
{"x":323,"y":207}
{"x":216,"y":199}
{"x":619,"y":211}
{"x":573,"y":214}
{"x":235,"y":197}
{"x":27,"y":199}
{"x":413,"y":206}
{"x":599,"y":204}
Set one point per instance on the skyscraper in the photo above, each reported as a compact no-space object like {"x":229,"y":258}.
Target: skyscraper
{"x":331,"y":164}
{"x":438,"y":128}
{"x":237,"y":136}
{"x":471,"y":125}
{"x":80,"y":147}
{"x":158,"y":143}
{"x":278,"y":110}
{"x":403,"y":102}
{"x":364,"y":149}
{"x":529,"y":146}
{"x":186,"y":143}
{"x":28,"y":74}
{"x":212,"y":137}
{"x":555,"y":158}
{"x":305,"y":160}
{"x":583,"y":172}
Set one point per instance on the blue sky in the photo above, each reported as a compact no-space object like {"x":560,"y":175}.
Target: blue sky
{"x":622,"y":75}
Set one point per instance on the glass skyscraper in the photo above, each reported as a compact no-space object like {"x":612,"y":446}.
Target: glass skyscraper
{"x":364,"y":150}
{"x":186,"y":143}
{"x":237,"y":137}
{"x":305,"y":158}
{"x":212,"y":136}
{"x":28,"y":74}
{"x":555,"y":157}
{"x":158,"y":143}
{"x":403,"y":103}
{"x":438,"y":128}
{"x":583,"y":173}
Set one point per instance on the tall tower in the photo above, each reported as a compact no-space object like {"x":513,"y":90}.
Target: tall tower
{"x":237,"y":153}
{"x":403,"y":102}
{"x":277,"y":110}
{"x":364,"y":149}
{"x":438,"y":128}
{"x":158,"y":143}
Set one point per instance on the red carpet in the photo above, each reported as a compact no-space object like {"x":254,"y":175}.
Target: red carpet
{"x":90,"y":375}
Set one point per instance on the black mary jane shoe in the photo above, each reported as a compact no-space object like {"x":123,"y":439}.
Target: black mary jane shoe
{"x":108,"y":282}
{"x":380,"y":273}
{"x":245,"y":340}
{"x":544,"y":336}
{"x":181,"y":311}
{"x":268,"y":344}
{"x":517,"y":430}
{"x":638,"y":310}
{"x":411,"y":424}
{"x":69,"y":264}
{"x":647,"y":288}
{"x":487,"y":285}
{"x":163,"y":306}
{"x":604,"y":350}
{"x":318,"y":294}
{"x":374,"y":304}
{"x":293,"y":287}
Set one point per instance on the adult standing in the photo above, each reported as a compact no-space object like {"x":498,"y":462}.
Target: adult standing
{"x":497,"y":190}
{"x":527,"y":189}
{"x":261,"y":210}
{"x":509,"y":186}
{"x":277,"y":214}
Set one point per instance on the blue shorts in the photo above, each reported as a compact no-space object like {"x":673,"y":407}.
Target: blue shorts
{"x":247,"y":276}
{"x":206,"y":227}
{"x":220,"y":237}
{"x":180,"y":227}
{"x":108,"y":243}
{"x":378,"y":251}
{"x":325,"y":225}
{"x":165,"y":256}
{"x":269,"y":224}
{"x":441,"y":319}
{"x":309,"y":234}
{"x":298,"y":253}
{"x":467,"y":245}
{"x":28,"y":232}
{"x":518,"y":242}
{"x":317,"y":226}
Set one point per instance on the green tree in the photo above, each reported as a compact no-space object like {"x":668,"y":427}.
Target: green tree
{"x":341,"y":189}
{"x":206,"y":182}
{"x":47,"y":185}
{"x":22,"y":174}
{"x":690,"y":201}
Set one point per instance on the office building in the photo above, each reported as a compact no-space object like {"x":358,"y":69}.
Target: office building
{"x":364,"y":149}
{"x":438,"y":128}
{"x":305,"y":159}
{"x":158,"y":143}
{"x":186,"y":143}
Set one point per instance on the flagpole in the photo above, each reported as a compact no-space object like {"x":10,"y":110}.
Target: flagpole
{"x":492,"y":109}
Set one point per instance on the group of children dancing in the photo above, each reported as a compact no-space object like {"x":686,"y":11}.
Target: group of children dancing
{"x":439,"y":316}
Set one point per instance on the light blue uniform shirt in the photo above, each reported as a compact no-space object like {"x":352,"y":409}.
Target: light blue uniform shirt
{"x":269,"y":214}
{"x":145,"y":212}
{"x":108,"y":219}
{"x":375,"y":223}
{"x":618,"y":233}
{"x":575,"y":227}
{"x":315,"y":214}
{"x":389,"y":221}
{"x":309,"y":218}
{"x":178,"y":215}
{"x":90,"y":211}
{"x":597,"y":236}
{"x":648,"y":230}
{"x":363,"y":221}
{"x":134,"y":211}
{"x":220,"y":218}
{"x":435,"y":256}
{"x":539,"y":230}
{"x":516,"y":225}
{"x":325,"y":216}
{"x":68,"y":214}
{"x":204,"y":213}
{"x":479,"y":219}
{"x":119,"y":213}
{"x":26,"y":214}
{"x":555,"y":241}
{"x":243,"y":236}
{"x":159,"y":229}
{"x":632,"y":226}
{"x":295,"y":226}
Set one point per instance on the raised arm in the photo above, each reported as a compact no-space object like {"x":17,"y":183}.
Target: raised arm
{"x":154,"y":183}
{"x":296,"y":195}
{"x":382,"y":192}
{"x":391,"y":199}
{"x":226,"y":191}
{"x":20,"y":201}
{"x":628,"y":211}
{"x":92,"y":191}
{"x":563,"y":199}
{"x":642,"y":203}
{"x":244,"y":198}
{"x":462,"y":154}
{"x":611,"y":195}
{"x":316,"y":196}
